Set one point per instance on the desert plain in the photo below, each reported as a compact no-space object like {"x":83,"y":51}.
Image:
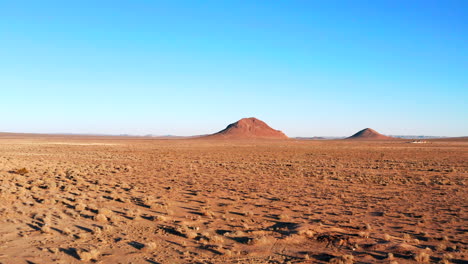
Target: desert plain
{"x":83,"y":199}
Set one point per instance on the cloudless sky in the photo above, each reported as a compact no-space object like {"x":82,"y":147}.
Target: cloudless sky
{"x":307,"y":68}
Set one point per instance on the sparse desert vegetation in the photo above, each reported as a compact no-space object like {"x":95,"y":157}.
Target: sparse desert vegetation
{"x":130,"y":200}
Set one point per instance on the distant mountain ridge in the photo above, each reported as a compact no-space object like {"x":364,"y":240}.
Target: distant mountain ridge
{"x":416,"y":137}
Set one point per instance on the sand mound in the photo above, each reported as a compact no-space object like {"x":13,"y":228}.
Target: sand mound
{"x":402,"y":248}
{"x":369,"y":134}
{"x":248,"y":128}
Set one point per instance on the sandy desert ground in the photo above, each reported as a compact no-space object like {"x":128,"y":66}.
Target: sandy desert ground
{"x":137,"y":200}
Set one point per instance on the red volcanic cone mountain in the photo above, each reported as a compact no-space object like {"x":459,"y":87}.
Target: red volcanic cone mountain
{"x":248,"y":128}
{"x":369,"y":134}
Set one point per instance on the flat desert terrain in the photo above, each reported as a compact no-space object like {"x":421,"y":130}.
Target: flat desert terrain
{"x":140,"y":200}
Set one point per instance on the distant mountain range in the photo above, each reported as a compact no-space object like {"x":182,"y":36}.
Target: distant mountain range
{"x":394,"y":136}
{"x":317,"y":138}
{"x":248,"y":128}
{"x":176,"y":137}
{"x":416,"y":137}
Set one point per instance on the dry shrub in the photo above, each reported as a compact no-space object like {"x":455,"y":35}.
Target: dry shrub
{"x":100,"y":218}
{"x":441,"y":247}
{"x":422,"y":257}
{"x":345,"y":259}
{"x":208,"y":213}
{"x":66,"y":231}
{"x":80,"y":207}
{"x":107,"y":228}
{"x":446,"y":259}
{"x":284,"y":217}
{"x":105,"y":212}
{"x":307,"y":233}
{"x":149,"y":246}
{"x":364,"y":234}
{"x":161,"y":218}
{"x":259,"y":241}
{"x":248,"y":213}
{"x":46,"y":229}
{"x":217,"y":240}
{"x":386,"y":237}
{"x":406,"y":237}
{"x":191,"y":234}
{"x":206,"y":235}
{"x":390,"y":256}
{"x":97,"y":230}
{"x":21,"y":171}
{"x":86,"y":256}
{"x":237,"y":233}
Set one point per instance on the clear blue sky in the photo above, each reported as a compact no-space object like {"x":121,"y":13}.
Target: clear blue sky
{"x":191,"y":67}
